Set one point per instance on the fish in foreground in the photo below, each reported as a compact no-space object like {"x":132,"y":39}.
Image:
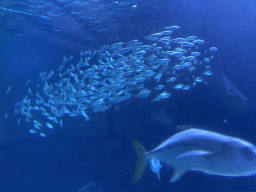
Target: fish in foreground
{"x":200,"y":150}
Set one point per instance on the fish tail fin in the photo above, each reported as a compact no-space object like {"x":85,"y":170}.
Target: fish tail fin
{"x":141,"y":162}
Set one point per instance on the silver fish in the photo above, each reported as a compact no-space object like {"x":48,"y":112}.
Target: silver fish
{"x":213,"y":49}
{"x":172,"y":79}
{"x":159,"y":87}
{"x":155,"y":166}
{"x":32,"y":131}
{"x":144,"y":93}
{"x":179,"y":86}
{"x":28,"y":81}
{"x":205,"y":151}
{"x":163,"y":95}
{"x":173,"y":28}
{"x":8,"y":90}
{"x":196,"y":54}
{"x":42,"y":135}
{"x":49,"y":125}
{"x":199,"y":41}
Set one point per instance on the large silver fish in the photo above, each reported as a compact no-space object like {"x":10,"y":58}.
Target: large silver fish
{"x":205,"y":151}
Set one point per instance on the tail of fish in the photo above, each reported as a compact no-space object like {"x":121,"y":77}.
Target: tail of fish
{"x":129,"y":161}
{"x":141,"y":160}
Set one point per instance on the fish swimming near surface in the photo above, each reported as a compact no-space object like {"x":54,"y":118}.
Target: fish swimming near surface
{"x":201,"y":150}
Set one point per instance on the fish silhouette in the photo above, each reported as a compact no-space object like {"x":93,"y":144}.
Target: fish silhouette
{"x":163,"y":117}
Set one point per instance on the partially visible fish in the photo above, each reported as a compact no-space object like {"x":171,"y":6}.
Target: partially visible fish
{"x":28,"y":81}
{"x":163,"y":117}
{"x":205,"y":151}
{"x":231,"y":88}
{"x":163,"y":95}
{"x":155,"y":166}
{"x":8,"y":90}
{"x":90,"y":187}
{"x":213,"y":49}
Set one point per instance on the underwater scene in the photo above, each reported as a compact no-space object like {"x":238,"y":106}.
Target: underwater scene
{"x":127,"y":96}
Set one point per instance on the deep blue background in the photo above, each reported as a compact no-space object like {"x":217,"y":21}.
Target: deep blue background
{"x":81,"y":152}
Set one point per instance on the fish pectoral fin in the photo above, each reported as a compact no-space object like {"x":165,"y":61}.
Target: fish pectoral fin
{"x":194,"y":153}
{"x":177,"y":174}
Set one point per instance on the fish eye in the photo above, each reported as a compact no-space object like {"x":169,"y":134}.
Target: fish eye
{"x":248,"y":154}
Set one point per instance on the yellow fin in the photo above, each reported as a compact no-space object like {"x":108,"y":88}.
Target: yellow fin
{"x":140,"y":165}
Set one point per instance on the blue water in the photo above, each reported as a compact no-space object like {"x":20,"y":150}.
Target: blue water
{"x":34,"y":38}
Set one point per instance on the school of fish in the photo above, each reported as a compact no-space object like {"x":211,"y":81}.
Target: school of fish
{"x":113,"y":74}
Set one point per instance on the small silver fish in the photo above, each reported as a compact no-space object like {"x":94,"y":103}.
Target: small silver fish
{"x":163,"y":95}
{"x":208,"y":73}
{"x":199,"y":41}
{"x":32,"y":131}
{"x":213,"y":49}
{"x":144,"y":93}
{"x":207,"y":60}
{"x":196,"y":54}
{"x":179,"y":86}
{"x":199,"y":80}
{"x":159,"y":87}
{"x":28,"y":81}
{"x":42,"y":135}
{"x":85,"y":116}
{"x":49,"y":125}
{"x":173,"y":28}
{"x":172,"y":79}
{"x":187,"y":87}
{"x":8,"y":90}
{"x":155,"y":166}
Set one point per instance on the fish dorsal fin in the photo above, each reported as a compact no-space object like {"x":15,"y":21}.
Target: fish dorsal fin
{"x":194,"y":153}
{"x":177,"y":174}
